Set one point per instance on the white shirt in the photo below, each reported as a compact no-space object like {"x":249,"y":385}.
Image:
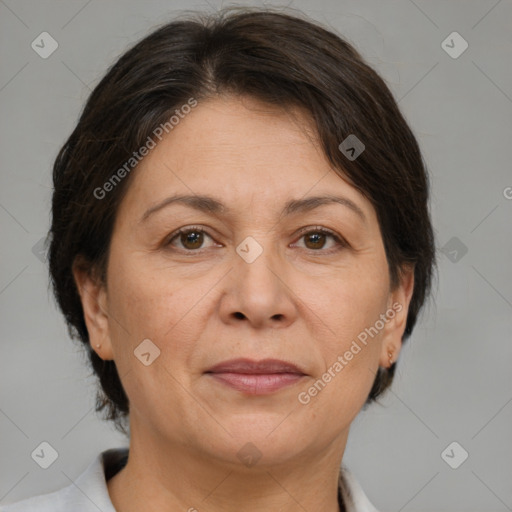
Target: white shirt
{"x":89,"y":492}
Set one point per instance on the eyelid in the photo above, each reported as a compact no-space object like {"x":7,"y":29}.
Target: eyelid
{"x":341,"y":242}
{"x":168,"y":239}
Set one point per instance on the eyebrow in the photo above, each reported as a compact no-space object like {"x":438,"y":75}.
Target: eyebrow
{"x":211,"y":205}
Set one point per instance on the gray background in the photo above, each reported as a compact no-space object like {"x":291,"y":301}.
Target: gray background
{"x":454,"y":378}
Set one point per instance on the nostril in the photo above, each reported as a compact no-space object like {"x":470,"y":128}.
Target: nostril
{"x":239,"y":315}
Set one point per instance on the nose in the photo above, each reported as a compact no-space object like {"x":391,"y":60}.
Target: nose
{"x":259,"y":292}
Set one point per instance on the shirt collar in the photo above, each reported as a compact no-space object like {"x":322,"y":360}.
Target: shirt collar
{"x":354,"y":498}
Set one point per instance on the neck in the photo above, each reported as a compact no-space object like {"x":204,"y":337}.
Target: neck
{"x":178,"y":478}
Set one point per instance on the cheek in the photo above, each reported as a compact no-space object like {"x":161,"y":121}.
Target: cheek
{"x":350,"y":346}
{"x":147,"y":304}
{"x":140,"y":297}
{"x":348,"y":353}
{"x":349,"y":304}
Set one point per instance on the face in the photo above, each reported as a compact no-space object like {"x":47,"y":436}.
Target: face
{"x":258,"y":272}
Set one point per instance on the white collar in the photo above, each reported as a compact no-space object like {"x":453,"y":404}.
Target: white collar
{"x":354,"y":498}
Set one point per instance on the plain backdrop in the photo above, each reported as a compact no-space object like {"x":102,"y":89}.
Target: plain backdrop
{"x":454,"y":378}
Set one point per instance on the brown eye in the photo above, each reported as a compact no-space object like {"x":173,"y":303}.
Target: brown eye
{"x":316,"y":239}
{"x":188,"y":239}
{"x":192,"y":239}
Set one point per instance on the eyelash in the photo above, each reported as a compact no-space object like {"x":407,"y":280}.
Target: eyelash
{"x":341,"y":242}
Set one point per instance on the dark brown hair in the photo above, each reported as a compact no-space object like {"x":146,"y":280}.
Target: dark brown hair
{"x":279,"y":58}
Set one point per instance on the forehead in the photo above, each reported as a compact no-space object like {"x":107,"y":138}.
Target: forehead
{"x":242,"y":133}
{"x":242,"y":152}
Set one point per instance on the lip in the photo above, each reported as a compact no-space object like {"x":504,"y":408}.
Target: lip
{"x":256,"y":377}
{"x":248,"y":366}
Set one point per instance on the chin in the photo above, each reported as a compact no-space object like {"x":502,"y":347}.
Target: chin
{"x":257,"y":439}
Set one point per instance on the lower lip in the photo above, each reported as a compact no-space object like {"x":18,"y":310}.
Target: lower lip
{"x":257,"y":384}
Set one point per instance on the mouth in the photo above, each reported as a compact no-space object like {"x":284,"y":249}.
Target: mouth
{"x":256,"y":377}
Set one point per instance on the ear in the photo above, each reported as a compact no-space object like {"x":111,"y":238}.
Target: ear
{"x":398,"y":308}
{"x":93,"y":295}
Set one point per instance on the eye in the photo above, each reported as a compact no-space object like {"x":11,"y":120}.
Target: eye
{"x":191,"y":238}
{"x":315,"y":239}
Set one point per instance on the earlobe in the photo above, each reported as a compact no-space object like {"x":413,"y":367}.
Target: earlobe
{"x":93,"y":297}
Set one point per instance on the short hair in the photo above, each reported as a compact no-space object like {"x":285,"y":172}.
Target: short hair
{"x":281,"y":59}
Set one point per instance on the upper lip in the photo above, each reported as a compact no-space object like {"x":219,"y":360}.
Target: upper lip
{"x":249,"y":366}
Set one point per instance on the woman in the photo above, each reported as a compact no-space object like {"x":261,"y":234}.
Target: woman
{"x":241,"y":237}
